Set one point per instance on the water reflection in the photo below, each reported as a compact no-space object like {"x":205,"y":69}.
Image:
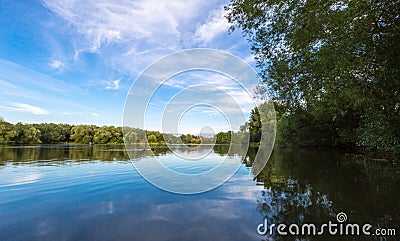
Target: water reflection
{"x":74,"y":191}
{"x":58,"y":154}
{"x":313,"y":186}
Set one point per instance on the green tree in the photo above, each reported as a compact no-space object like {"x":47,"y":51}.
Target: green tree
{"x":83,"y":133}
{"x":7,"y":132}
{"x":187,"y":139}
{"x":333,"y":65}
{"x":65,"y":130}
{"x":25,"y":134}
{"x":3,"y":132}
{"x":224,"y":137}
{"x":50,"y":133}
{"x":101,"y":136}
{"x":255,"y":125}
{"x":107,"y":134}
{"x":152,"y":138}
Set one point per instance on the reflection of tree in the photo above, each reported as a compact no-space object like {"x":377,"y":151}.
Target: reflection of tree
{"x":238,"y":150}
{"x":287,"y":200}
{"x":312,"y":186}
{"x":290,"y":203}
{"x":59,"y":154}
{"x":221,"y":149}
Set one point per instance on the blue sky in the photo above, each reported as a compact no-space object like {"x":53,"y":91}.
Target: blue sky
{"x":74,"y":61}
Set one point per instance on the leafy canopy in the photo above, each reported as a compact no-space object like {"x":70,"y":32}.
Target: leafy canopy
{"x":333,"y":65}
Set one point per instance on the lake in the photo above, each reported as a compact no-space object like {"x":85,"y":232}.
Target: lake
{"x":80,"y":192}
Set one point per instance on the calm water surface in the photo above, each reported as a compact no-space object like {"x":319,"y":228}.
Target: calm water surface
{"x":93,"y":193}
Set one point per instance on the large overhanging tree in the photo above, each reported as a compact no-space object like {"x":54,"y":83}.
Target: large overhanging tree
{"x":334,"y":65}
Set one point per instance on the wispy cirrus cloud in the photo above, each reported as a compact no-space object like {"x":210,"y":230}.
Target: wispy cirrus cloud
{"x":7,"y":85}
{"x":56,"y":64}
{"x":23,"y":107}
{"x":136,"y":33}
{"x":101,"y":23}
{"x":113,"y":84}
{"x":71,"y":113}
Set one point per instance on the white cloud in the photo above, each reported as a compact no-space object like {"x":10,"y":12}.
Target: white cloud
{"x":104,"y":22}
{"x":111,"y":85}
{"x":249,"y":59}
{"x":201,"y":77}
{"x":6,"y":85}
{"x":130,"y":35}
{"x":25,"y":108}
{"x":57,"y":64}
{"x":215,"y":25}
{"x":71,"y":113}
{"x":29,"y":79}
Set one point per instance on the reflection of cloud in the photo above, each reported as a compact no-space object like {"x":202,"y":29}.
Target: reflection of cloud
{"x":25,"y":108}
{"x":28,"y":178}
{"x":249,"y":193}
{"x":110,"y":207}
{"x":42,"y":228}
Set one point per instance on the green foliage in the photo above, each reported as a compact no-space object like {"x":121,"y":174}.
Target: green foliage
{"x":134,"y":136}
{"x":25,"y":134}
{"x":83,"y":133}
{"x":224,"y":137}
{"x":186,"y":138}
{"x":107,"y":134}
{"x":152,"y":138}
{"x":333,"y":66}
{"x":255,"y":125}
{"x":50,"y":133}
{"x":155,"y":137}
{"x":7,"y":133}
{"x":53,"y":133}
{"x":190,"y":139}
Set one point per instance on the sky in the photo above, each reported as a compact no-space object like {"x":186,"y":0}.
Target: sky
{"x":73,"y":61}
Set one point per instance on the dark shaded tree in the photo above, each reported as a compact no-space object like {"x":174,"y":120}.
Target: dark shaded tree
{"x":255,"y":125}
{"x":332,"y":65}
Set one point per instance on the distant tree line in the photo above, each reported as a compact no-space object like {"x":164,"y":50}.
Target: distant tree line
{"x":224,"y":137}
{"x":50,"y":133}
{"x":190,"y":139}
